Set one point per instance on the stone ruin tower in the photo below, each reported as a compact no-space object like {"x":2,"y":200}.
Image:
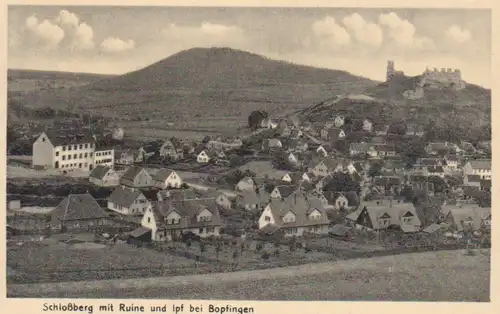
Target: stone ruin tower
{"x":391,"y":71}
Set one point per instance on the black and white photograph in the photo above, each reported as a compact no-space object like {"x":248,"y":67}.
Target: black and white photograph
{"x":248,"y":153}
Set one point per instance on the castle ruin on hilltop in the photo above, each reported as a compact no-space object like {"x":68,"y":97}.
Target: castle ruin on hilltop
{"x":435,"y":79}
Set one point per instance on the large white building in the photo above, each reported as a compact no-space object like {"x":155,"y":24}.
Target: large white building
{"x":480,"y":167}
{"x":69,"y":151}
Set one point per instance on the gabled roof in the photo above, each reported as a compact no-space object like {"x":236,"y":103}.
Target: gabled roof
{"x":472,"y":213}
{"x":78,"y":207}
{"x":301,"y":206}
{"x":99,"y":172}
{"x":181,"y":194}
{"x":481,"y":164}
{"x":286,"y":190}
{"x":162,"y":174}
{"x":132,"y":172}
{"x":435,"y":169}
{"x":429,"y":161}
{"x":377,"y":211}
{"x":189,"y":210}
{"x":61,"y":138}
{"x":124,"y":196}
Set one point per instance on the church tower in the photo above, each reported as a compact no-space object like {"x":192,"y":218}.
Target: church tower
{"x":390,"y":70}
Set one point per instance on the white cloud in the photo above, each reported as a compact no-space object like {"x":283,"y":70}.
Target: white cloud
{"x":458,"y":34}
{"x":67,"y":18}
{"x":403,"y":33}
{"x":48,"y":34}
{"x":112,"y":44}
{"x":83,"y":37}
{"x":330,"y":34}
{"x":364,"y":32}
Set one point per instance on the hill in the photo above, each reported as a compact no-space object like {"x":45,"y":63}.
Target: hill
{"x":213,"y":87}
{"x":465,"y":110}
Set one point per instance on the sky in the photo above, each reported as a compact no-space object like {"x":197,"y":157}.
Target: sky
{"x":116,"y":40}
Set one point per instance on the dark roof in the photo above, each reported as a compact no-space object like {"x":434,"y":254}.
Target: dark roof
{"x":435,"y":169}
{"x":99,"y":172}
{"x":59,"y":138}
{"x":340,"y":230}
{"x":473,"y":178}
{"x":182,"y":194}
{"x":78,"y":207}
{"x":286,"y":190}
{"x":131,"y":173}
{"x":124,"y":196}
{"x":162,"y":174}
{"x":486,"y":183}
{"x":188,"y":210}
{"x":358,"y":166}
{"x":103,"y":145}
{"x":384,"y":181}
{"x":151,"y":195}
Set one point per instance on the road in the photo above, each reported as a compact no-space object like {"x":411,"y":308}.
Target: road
{"x":431,"y":276}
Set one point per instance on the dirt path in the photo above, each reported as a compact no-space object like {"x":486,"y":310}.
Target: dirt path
{"x":449,"y":270}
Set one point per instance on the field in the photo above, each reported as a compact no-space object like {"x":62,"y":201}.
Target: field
{"x":433,"y":276}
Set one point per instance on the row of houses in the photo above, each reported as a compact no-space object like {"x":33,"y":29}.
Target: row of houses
{"x":136,"y":177}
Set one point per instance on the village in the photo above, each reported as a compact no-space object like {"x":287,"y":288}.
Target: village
{"x":290,"y":192}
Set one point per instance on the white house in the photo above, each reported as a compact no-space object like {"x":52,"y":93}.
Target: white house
{"x":293,"y":159}
{"x":451,"y":162}
{"x":321,"y":151}
{"x":136,"y":177}
{"x":169,"y":219}
{"x":104,"y":176}
{"x":104,"y":156}
{"x":339,"y":121}
{"x":128,"y":201}
{"x":166,"y":178}
{"x":367,"y":125}
{"x":480,"y":167}
{"x":294,"y":216}
{"x":64,"y":151}
{"x":203,"y":157}
{"x":245,"y":184}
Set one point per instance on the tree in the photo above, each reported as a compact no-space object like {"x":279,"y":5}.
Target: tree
{"x":218,"y":248}
{"x":203,"y":248}
{"x":255,"y":118}
{"x":398,"y":127}
{"x":342,"y":182}
{"x":375,"y":170}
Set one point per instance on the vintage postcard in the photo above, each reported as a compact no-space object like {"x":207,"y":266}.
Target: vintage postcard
{"x":158,"y":154}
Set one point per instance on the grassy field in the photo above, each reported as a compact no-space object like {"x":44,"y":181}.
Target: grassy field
{"x":434,"y":276}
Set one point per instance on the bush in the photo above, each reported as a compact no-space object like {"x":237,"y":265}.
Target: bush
{"x":265,"y":256}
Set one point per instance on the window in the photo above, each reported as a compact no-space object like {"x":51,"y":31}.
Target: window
{"x":43,"y":139}
{"x":75,"y":147}
{"x":69,"y":147}
{"x":267,"y":218}
{"x":81,"y":146}
{"x":210,"y":229}
{"x":64,"y":148}
{"x":90,"y":154}
{"x":85,"y":155}
{"x":69,"y":157}
{"x":86,"y":145}
{"x":201,"y":230}
{"x":63,"y":157}
{"x":149,"y":219}
{"x":81,"y":155}
{"x":57,"y":154}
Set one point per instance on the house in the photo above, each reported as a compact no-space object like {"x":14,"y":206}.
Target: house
{"x":367,"y":125}
{"x":325,"y":167}
{"x":245,"y":184}
{"x":296,"y":133}
{"x":293,"y":158}
{"x":394,"y":166}
{"x":172,"y":149}
{"x":272,"y":143}
{"x":136,"y":177}
{"x":79,"y":212}
{"x":321,"y":151}
{"x":104,"y":155}
{"x":269,"y":123}
{"x":166,"y":178}
{"x":177,"y":195}
{"x":384,"y":184}
{"x":308,"y":177}
{"x":380,"y":215}
{"x":356,"y":149}
{"x":63,"y":151}
{"x":480,"y":167}
{"x":252,"y":200}
{"x":104,"y":176}
{"x":339,"y":121}
{"x":414,"y":130}
{"x":442,"y":148}
{"x":382,"y":130}
{"x":385,"y":150}
{"x":222,"y":200}
{"x":437,"y":171}
{"x":285,"y":128}
{"x":293,"y":177}
{"x":146,"y":152}
{"x":125,"y":157}
{"x":472,"y":180}
{"x":294,"y":216}
{"x":128,"y":201}
{"x":338,"y":200}
{"x":451,"y":162}
{"x":468,"y":216}
{"x":203,"y":157}
{"x":168,"y":220}
{"x":282,"y":191}
{"x":333,"y":134}
{"x":297,"y":146}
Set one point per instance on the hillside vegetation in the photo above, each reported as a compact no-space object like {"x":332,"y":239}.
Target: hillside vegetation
{"x":201,"y":86}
